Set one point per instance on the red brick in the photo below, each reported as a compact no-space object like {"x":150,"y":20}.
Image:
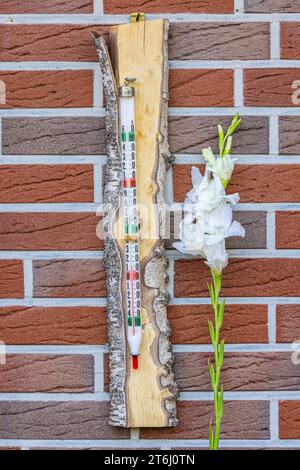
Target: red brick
{"x":290,"y":40}
{"x":242,"y":324}
{"x":49,"y":42}
{"x":49,"y":231}
{"x":272,"y":6}
{"x":201,"y":88}
{"x":254,"y":183}
{"x":288,"y":230}
{"x":53,"y":325}
{"x":269,"y":87}
{"x":48,"y":89}
{"x":168,"y":6}
{"x":242,"y":420}
{"x":45,"y":373}
{"x":201,"y":41}
{"x":46,"y":6}
{"x":190,"y":134}
{"x":255,"y":371}
{"x":46,"y":183}
{"x":78,"y":420}
{"x":11,"y":279}
{"x":289,"y":133}
{"x":242,"y":278}
{"x":289,"y":420}
{"x":54,"y":136}
{"x":69,"y":278}
{"x":288,"y":323}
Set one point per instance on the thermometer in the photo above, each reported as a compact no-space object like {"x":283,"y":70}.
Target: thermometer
{"x":131,"y":224}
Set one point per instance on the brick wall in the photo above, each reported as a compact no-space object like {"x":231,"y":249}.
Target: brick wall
{"x":224,"y":56}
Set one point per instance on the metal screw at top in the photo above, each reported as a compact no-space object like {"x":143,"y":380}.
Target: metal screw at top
{"x":129,"y":80}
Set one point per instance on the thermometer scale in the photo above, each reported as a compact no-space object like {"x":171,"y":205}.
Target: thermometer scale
{"x":131,"y":224}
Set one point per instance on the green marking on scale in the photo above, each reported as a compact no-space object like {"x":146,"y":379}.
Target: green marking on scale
{"x":127,"y":229}
{"x":137,"y":321}
{"x":131,"y":136}
{"x":123,"y":136}
{"x":134,"y":228}
{"x":129,"y":321}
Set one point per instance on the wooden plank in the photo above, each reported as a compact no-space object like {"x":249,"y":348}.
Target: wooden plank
{"x":140,"y":51}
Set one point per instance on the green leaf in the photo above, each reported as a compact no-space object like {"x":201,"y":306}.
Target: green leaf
{"x":221,"y":353}
{"x":211,"y":436}
{"x":211,"y":373}
{"x":212,"y":332}
{"x":221,"y":402}
{"x":221,"y":313}
{"x":233,"y":127}
{"x":212,"y":293}
{"x":228,"y":145}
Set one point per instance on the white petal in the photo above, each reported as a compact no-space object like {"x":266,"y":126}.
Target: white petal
{"x":213,"y":239}
{"x":196,"y":176}
{"x":235,"y":230}
{"x":232,"y":198}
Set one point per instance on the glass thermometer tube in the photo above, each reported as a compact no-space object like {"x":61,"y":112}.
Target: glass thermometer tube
{"x":131,"y":224}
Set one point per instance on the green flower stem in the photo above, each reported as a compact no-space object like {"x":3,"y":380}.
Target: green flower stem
{"x":216,"y":367}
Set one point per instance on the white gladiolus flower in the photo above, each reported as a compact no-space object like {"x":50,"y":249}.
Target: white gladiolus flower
{"x":221,"y":166}
{"x":208,"y":221}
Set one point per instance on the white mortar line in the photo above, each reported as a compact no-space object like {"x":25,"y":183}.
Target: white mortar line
{"x":169,"y":186}
{"x":40,"y":396}
{"x":98,"y":7}
{"x":274,"y":135}
{"x":275,"y":40}
{"x":234,"y":64}
{"x":117,"y":19}
{"x":28,"y":278}
{"x":204,"y":348}
{"x":55,"y":255}
{"x":180,"y":158}
{"x":173,"y":64}
{"x":50,"y":207}
{"x":238,"y":87}
{"x":172,"y":254}
{"x":148,"y":443}
{"x":53,"y":112}
{"x":290,"y":206}
{"x":247,"y":254}
{"x":134,"y":434}
{"x":0,"y":138}
{"x":57,"y":349}
{"x":98,"y":372}
{"x":53,"y":159}
{"x":97,"y":112}
{"x":98,"y":170}
{"x":236,"y":300}
{"x":170,"y":271}
{"x":48,"y":65}
{"x":98,"y":89}
{"x":262,"y":159}
{"x":55,"y":302}
{"x":271,"y":231}
{"x":274,"y":418}
{"x":241,"y":396}
{"x":239,"y":6}
{"x":272,"y":323}
{"x":93,"y":207}
{"x":243,"y":111}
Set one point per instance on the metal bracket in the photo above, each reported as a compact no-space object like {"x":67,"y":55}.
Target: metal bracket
{"x":136,"y":17}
